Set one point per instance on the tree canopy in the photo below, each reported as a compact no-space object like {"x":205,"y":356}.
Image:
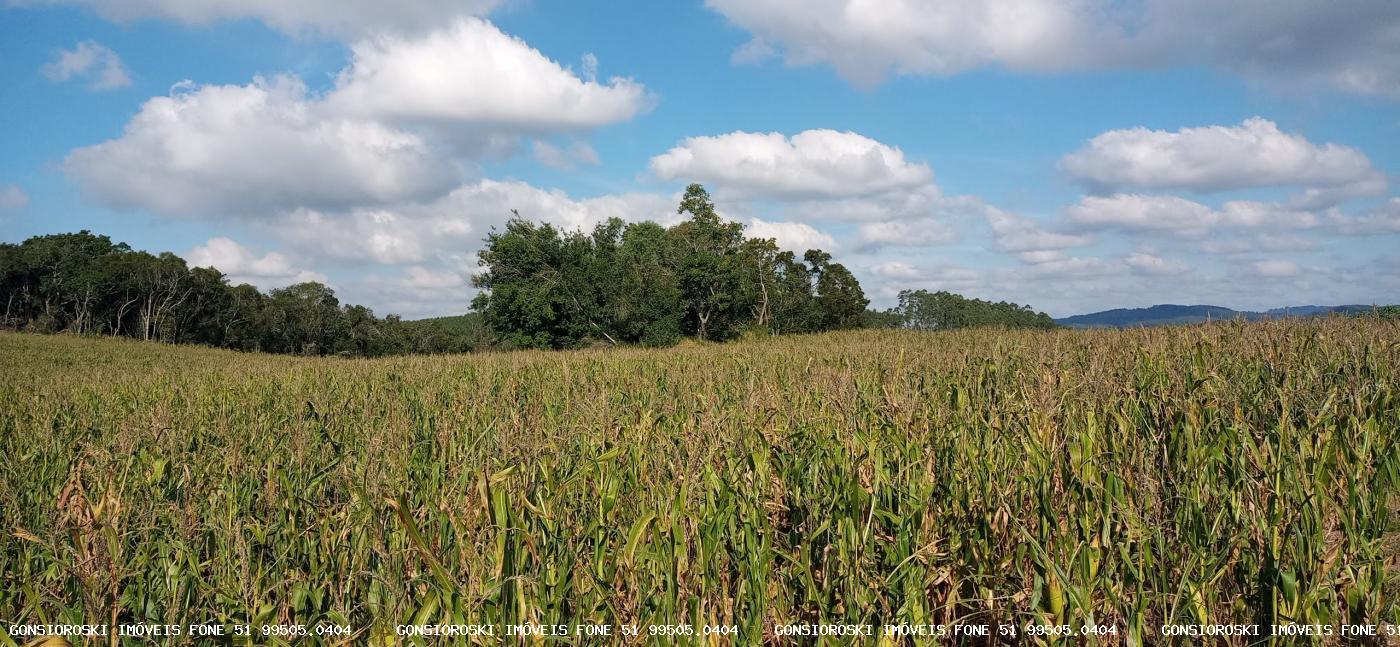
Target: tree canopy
{"x":84,"y":283}
{"x":924,"y":310}
{"x":641,"y":283}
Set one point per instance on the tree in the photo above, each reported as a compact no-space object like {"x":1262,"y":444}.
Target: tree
{"x":524,"y":295}
{"x":304,"y":319}
{"x":794,"y":310}
{"x":708,"y":270}
{"x":839,"y":302}
{"x":649,"y":308}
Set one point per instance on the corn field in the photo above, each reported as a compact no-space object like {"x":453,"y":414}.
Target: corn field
{"x":1226,"y":473}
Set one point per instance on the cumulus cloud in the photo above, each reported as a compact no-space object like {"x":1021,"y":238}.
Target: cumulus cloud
{"x":893,"y":276}
{"x":1381,"y":220}
{"x":565,"y":157}
{"x":101,"y":67}
{"x":13,"y":197}
{"x":1276,"y":268}
{"x":469,"y":72}
{"x":1182,"y":217}
{"x":1153,"y":265}
{"x":1215,"y":158}
{"x":454,"y":224}
{"x":810,"y":164}
{"x":796,"y":237}
{"x":825,"y":175}
{"x":865,"y":41}
{"x":336,"y":18}
{"x":272,"y":146}
{"x":253,"y":150}
{"x":917,"y":232}
{"x":1309,"y":41}
{"x":244,"y":265}
{"x":1016,"y":234}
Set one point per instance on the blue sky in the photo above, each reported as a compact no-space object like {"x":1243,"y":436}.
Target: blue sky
{"x":1073,"y":156}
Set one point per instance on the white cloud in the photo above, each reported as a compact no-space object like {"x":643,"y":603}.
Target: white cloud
{"x":101,"y":67}
{"x":1275,"y":268}
{"x":914,"y":233}
{"x":1042,"y":256}
{"x":1073,"y":266}
{"x":796,"y":237}
{"x":469,"y":72}
{"x":1144,"y":213}
{"x":865,"y":40}
{"x":1379,"y":221}
{"x":890,"y":277}
{"x":1153,"y":265}
{"x":454,"y":224}
{"x":253,"y":150}
{"x":1016,"y":234}
{"x":565,"y":158}
{"x":13,"y":197}
{"x":810,"y":164}
{"x":1214,"y":158}
{"x":897,"y":270}
{"x":1253,"y":213}
{"x":272,"y":146}
{"x":339,"y":18}
{"x":243,"y":265}
{"x":1309,"y":42}
{"x":1135,"y":212}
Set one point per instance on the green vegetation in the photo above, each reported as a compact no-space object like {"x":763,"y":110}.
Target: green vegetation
{"x":922,"y":310}
{"x":1224,"y":473}
{"x":85,"y":284}
{"x":644,"y":284}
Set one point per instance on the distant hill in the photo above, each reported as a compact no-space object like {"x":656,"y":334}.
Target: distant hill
{"x":1170,"y":314}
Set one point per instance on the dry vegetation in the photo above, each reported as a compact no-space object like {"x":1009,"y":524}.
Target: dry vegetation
{"x":1230,"y":472}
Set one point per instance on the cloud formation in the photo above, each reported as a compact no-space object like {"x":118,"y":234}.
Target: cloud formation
{"x":1182,"y":217}
{"x":253,"y":150}
{"x":1218,"y":158}
{"x":272,"y":146}
{"x":101,"y":67}
{"x":1352,"y":48}
{"x":470,"y":72}
{"x":810,"y":164}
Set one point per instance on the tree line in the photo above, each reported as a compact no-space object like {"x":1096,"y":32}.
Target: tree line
{"x":86,"y":284}
{"x":641,"y":283}
{"x":924,"y":310}
{"x":541,"y":287}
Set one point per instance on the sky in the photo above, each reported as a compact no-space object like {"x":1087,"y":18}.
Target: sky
{"x":1073,"y":155}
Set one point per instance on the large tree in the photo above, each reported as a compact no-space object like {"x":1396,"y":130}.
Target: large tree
{"x":709,"y":270}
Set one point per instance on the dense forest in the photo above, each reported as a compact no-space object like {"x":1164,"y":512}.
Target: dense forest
{"x":540,"y":287}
